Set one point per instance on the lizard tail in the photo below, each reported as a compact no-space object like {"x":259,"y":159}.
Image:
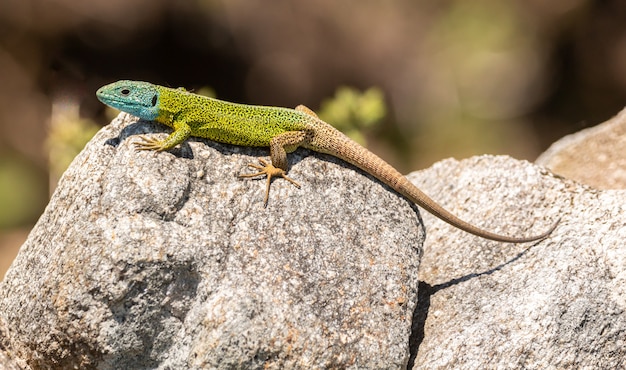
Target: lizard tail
{"x":339,"y":145}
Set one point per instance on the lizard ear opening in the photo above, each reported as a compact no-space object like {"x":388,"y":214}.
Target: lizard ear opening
{"x":154,"y":100}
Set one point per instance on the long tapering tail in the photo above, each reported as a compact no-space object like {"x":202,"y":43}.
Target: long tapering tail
{"x":337,"y":144}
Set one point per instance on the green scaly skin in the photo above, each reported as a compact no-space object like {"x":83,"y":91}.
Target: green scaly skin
{"x":283,"y":130}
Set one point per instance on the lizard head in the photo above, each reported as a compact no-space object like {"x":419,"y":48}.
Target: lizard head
{"x":138,"y":98}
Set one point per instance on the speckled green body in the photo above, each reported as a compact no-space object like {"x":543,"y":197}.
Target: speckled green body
{"x":225,"y":122}
{"x":283,"y":130}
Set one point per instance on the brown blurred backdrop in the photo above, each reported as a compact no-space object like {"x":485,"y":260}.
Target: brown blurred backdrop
{"x":459,"y":77}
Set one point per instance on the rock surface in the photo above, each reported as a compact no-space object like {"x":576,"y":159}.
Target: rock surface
{"x":595,"y":156}
{"x":556,"y":304}
{"x":8,"y":360}
{"x":167,"y":260}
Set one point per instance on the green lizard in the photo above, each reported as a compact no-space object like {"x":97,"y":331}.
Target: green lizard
{"x":283,"y":130}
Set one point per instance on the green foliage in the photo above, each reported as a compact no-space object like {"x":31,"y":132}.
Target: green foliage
{"x":352,"y":111}
{"x":68,"y":135}
{"x":22,"y":191}
{"x":206,"y":91}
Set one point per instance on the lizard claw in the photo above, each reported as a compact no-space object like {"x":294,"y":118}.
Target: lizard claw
{"x":149,"y":143}
{"x":268,"y":169}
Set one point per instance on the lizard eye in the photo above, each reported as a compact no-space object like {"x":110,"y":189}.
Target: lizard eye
{"x":154,"y":100}
{"x":125,"y":92}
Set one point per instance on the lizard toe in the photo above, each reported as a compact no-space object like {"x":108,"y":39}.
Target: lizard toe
{"x":269,"y":170}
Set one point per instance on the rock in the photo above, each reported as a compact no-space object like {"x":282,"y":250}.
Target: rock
{"x":555,"y":304}
{"x":6,"y":363}
{"x":167,"y":260}
{"x":595,"y":156}
{"x":8,"y":360}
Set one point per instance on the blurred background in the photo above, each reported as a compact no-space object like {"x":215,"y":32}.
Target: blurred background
{"x":437,"y":79}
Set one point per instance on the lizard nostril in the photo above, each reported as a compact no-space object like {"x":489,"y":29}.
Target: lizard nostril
{"x":125,"y":92}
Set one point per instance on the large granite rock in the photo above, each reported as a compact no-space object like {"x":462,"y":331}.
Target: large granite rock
{"x":556,"y":304}
{"x":595,"y":156}
{"x":167,"y":260}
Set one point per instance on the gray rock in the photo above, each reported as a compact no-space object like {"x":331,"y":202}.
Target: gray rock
{"x":556,"y":304}
{"x":8,"y":360}
{"x":167,"y":260}
{"x":595,"y":156}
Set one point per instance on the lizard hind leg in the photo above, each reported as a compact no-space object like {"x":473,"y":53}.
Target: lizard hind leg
{"x":279,"y":146}
{"x":267,"y":169}
{"x":307,"y":110}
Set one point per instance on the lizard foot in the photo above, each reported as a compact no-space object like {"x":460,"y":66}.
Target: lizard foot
{"x":149,"y":143}
{"x":268,"y":169}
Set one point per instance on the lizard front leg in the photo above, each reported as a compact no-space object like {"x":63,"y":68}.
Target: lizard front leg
{"x":182,"y":131}
{"x":280,"y":145}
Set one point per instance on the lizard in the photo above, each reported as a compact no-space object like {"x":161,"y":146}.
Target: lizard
{"x":283,"y":130}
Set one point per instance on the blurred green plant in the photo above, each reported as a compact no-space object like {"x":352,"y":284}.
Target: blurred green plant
{"x":353,"y":111}
{"x":22,"y":191}
{"x":67,"y":136}
{"x":206,"y":91}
